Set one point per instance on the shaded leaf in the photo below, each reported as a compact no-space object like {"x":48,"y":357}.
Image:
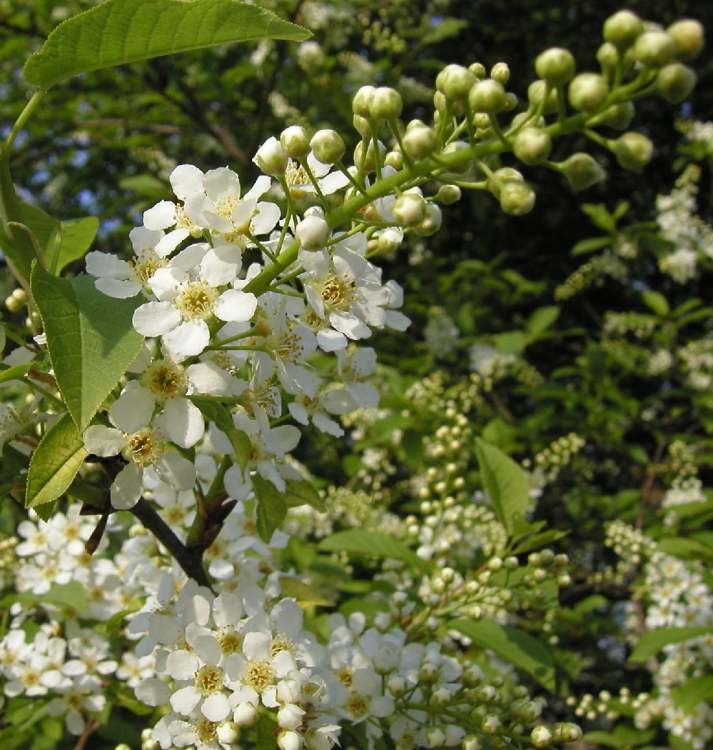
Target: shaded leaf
{"x":654,"y":640}
{"x":271,"y":507}
{"x":371,"y":544}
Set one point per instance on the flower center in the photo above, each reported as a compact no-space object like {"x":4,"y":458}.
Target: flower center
{"x":344,"y":675}
{"x":259,"y":675}
{"x":206,"y":731}
{"x":335,"y":293}
{"x":142,"y":447}
{"x":145,"y":265}
{"x":230,"y":642}
{"x":165,"y":379}
{"x":209,"y":679}
{"x":358,"y":705}
{"x":289,"y":347}
{"x":280,"y":643}
{"x":195,"y":301}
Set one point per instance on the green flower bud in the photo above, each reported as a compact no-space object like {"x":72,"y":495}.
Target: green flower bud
{"x":532,"y":146}
{"x":555,"y":65}
{"x":409,"y":209}
{"x":448,"y":194}
{"x":364,"y":159}
{"x":419,"y":142}
{"x":454,"y":82}
{"x":478,"y":70}
{"x":328,"y":146}
{"x":394,"y":159}
{"x":622,"y":29}
{"x":500,"y":72}
{"x":541,"y":736}
{"x":439,"y":102}
{"x":588,"y":92}
{"x":633,"y":150}
{"x":675,"y":82}
{"x":271,"y":157}
{"x":452,"y":148}
{"x":362,"y":101}
{"x":312,"y":232}
{"x":492,"y":724}
{"x":385,"y":104}
{"x":516,"y":198}
{"x":688,"y":36}
{"x":536,"y":91}
{"x":361,"y":125}
{"x":510,"y":101}
{"x":431,"y":222}
{"x":487,"y":96}
{"x":607,"y":56}
{"x":581,"y":171}
{"x":17,"y":300}
{"x":654,"y":49}
{"x":295,"y":141}
{"x":618,"y":116}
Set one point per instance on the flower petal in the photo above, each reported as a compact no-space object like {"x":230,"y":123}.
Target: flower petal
{"x":183,"y":701}
{"x":126,"y":488}
{"x":103,"y":441}
{"x":107,"y":265}
{"x":182,"y":664}
{"x":118,"y":288}
{"x":156,"y":318}
{"x":160,"y":216}
{"x":183,"y":422}
{"x":133,"y":409}
{"x":235,"y":305}
{"x":187,"y":340}
{"x":186,"y":180}
{"x":216,"y":707}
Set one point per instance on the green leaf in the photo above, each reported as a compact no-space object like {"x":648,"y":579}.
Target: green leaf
{"x":654,"y":640}
{"x":694,"y":691}
{"x":590,"y":245}
{"x":16,"y":372}
{"x":621,"y":737}
{"x":55,"y":463}
{"x":303,"y":592}
{"x":513,"y":645}
{"x":656,"y":302}
{"x":90,"y":338}
{"x":542,"y":319}
{"x":70,"y":596}
{"x":271,"y":507}
{"x":118,"y":32}
{"x":75,"y":238}
{"x":371,"y":544}
{"x":445,"y":29}
{"x":302,"y":492}
{"x":686,"y":549}
{"x":506,"y":484}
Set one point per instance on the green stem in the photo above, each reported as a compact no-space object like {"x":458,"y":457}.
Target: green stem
{"x":22,"y":119}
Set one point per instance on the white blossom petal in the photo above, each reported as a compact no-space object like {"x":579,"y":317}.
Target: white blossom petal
{"x":216,"y":707}
{"x":118,"y":288}
{"x":103,"y":441}
{"x":133,"y":409}
{"x":187,"y":340}
{"x":126,"y":488}
{"x":156,"y":318}
{"x":182,"y":664}
{"x":186,"y":180}
{"x":160,"y":216}
{"x":107,"y":265}
{"x":234,"y":305}
{"x":183,"y":422}
{"x":183,"y":701}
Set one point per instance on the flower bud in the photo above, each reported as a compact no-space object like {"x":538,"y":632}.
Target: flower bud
{"x":687,"y":35}
{"x":294,"y":141}
{"x":290,"y":741}
{"x":439,"y":102}
{"x":492,"y":725}
{"x":541,"y":736}
{"x":500,"y":72}
{"x":633,"y":150}
{"x":555,"y":65}
{"x":588,"y":92}
{"x":654,"y":49}
{"x":361,"y":125}
{"x":675,"y":82}
{"x":310,"y":56}
{"x":622,"y":28}
{"x":385,"y":104}
{"x":471,"y":743}
{"x":516,"y":198}
{"x":394,"y":159}
{"x":364,"y":158}
{"x":582,"y":171}
{"x":290,"y":716}
{"x":16,"y":301}
{"x":271,"y":157}
{"x":448,"y":194}
{"x":362,"y":101}
{"x":409,"y":209}
{"x":487,"y":96}
{"x":228,"y":732}
{"x":312,"y":232}
{"x":478,"y":70}
{"x":328,"y":146}
{"x":607,"y":56}
{"x":244,"y":714}
{"x":511,"y":101}
{"x":431,"y":222}
{"x":618,"y":116}
{"x":454,"y":82}
{"x":435,"y":738}
{"x":419,"y":142}
{"x":536,"y":91}
{"x":532,"y":146}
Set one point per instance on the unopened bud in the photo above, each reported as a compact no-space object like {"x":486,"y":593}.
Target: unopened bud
{"x":312,"y":232}
{"x":385,"y":104}
{"x":409,"y":209}
{"x":394,"y":159}
{"x":295,"y":141}
{"x":516,"y":198}
{"x":541,"y":736}
{"x":271,"y":157}
{"x":448,"y":194}
{"x":688,"y":36}
{"x":362,"y":101}
{"x":328,"y":146}
{"x":532,"y":146}
{"x":431,"y":222}
{"x":536,"y":92}
{"x":555,"y":65}
{"x":654,"y":49}
{"x":675,"y":82}
{"x":582,"y":171}
{"x":500,"y":72}
{"x":310,"y":56}
{"x":622,"y":29}
{"x":365,"y":158}
{"x":607,"y":56}
{"x":633,"y":150}
{"x":618,"y":116}
{"x":454,"y":82}
{"x":478,"y":70}
{"x":588,"y":92}
{"x":419,"y":142}
{"x":487,"y":96}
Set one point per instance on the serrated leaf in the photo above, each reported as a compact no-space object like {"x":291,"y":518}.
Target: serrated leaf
{"x":513,"y":645}
{"x":302,"y":492}
{"x":90,"y":338}
{"x":654,"y":640}
{"x":271,"y":507}
{"x":371,"y":544}
{"x":118,"y":32}
{"x":55,"y":463}
{"x":75,"y":238}
{"x":506,"y":484}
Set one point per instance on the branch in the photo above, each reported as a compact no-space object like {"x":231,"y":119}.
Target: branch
{"x":190,"y":560}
